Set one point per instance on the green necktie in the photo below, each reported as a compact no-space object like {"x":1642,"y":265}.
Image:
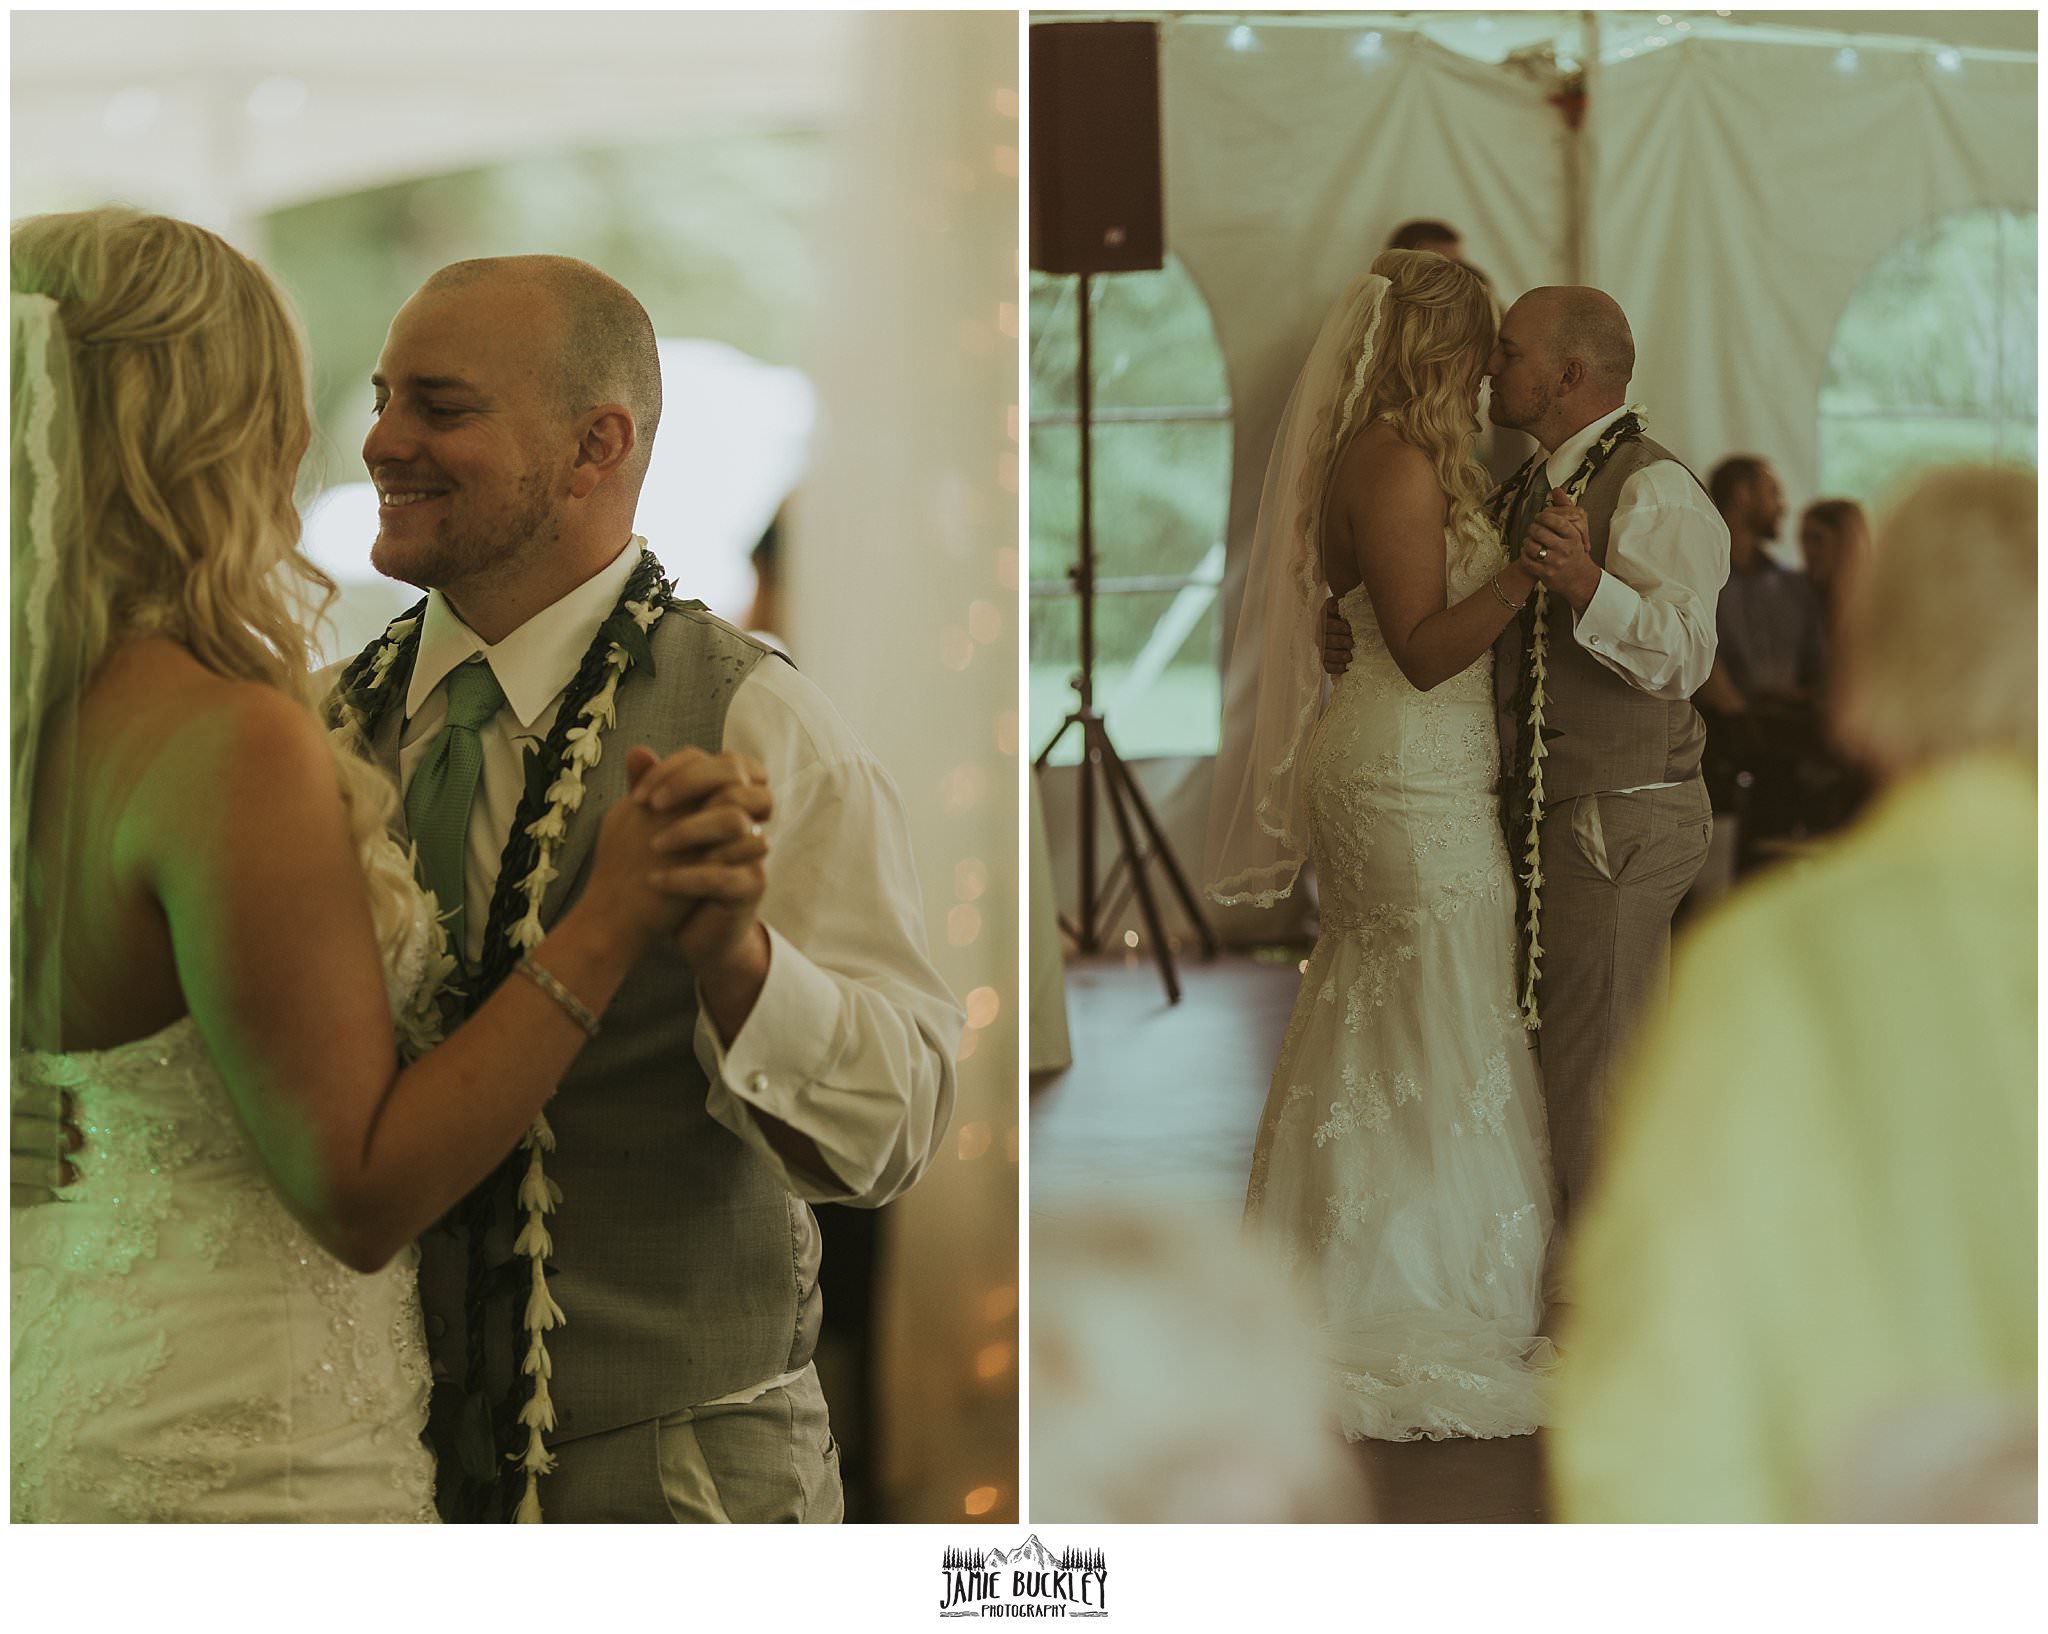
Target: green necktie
{"x":443,"y":789}
{"x":1535,"y":496}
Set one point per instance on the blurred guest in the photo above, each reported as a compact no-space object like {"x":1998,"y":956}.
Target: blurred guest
{"x":1173,"y":1378}
{"x":1437,"y":236}
{"x":764,"y":617}
{"x":1765,"y":762}
{"x":1769,"y":618}
{"x":1816,"y":1222}
{"x":1834,"y":537}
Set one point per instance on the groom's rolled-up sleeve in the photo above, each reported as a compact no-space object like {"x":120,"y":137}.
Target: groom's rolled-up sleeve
{"x":852,"y":1040}
{"x":1651,"y":620}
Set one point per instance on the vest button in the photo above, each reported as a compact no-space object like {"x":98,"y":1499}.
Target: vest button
{"x":436,"y":1327}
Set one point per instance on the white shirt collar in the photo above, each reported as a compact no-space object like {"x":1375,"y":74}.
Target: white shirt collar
{"x":1564,"y":459}
{"x":536,"y":660}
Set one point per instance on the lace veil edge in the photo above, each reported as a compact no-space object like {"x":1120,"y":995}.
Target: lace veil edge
{"x":47,"y":657}
{"x":1273,"y":681}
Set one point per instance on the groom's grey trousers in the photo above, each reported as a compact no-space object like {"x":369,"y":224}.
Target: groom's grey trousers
{"x":770,"y":1459}
{"x":1615,"y":867}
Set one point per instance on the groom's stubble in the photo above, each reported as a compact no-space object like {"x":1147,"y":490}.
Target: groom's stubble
{"x":465,"y":548}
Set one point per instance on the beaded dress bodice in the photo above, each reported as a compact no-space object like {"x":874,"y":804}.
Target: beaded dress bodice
{"x":182,"y":1347}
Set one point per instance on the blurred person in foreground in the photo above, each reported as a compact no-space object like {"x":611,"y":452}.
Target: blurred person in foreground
{"x":1811,"y":1257}
{"x":1174,"y":1378}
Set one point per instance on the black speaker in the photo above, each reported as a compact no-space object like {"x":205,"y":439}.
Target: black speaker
{"x":1095,"y":193}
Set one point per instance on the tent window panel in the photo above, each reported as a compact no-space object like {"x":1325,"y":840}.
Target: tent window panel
{"x":1153,"y":344}
{"x":1056,"y":501}
{"x":1157,"y":676}
{"x":1867,"y":458}
{"x":1934,"y":358}
{"x":1162,"y":444}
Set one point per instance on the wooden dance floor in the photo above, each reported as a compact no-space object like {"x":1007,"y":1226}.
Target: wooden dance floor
{"x":1163,"y":1104}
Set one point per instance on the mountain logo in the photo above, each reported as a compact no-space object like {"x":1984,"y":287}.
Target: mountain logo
{"x":1027,"y":1581}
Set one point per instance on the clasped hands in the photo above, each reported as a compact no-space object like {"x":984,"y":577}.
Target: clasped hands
{"x":712,"y":852}
{"x":1556,"y":552}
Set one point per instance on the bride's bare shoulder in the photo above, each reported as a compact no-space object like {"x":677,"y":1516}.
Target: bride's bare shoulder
{"x":1378,"y":468}
{"x":182,"y":726}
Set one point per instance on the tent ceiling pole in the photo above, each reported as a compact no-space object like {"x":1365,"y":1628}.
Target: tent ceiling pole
{"x":1576,"y":166}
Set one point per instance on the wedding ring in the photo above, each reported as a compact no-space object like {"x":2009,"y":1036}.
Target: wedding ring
{"x":1542,"y":553}
{"x":754,"y":831}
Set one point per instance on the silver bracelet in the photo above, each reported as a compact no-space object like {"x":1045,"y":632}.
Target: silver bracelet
{"x":1494,"y":585}
{"x":578,"y":1011}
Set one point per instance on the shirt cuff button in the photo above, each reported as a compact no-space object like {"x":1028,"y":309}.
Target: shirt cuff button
{"x":757,"y":1083}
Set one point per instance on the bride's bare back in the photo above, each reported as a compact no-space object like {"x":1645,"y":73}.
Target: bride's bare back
{"x":132,"y":753}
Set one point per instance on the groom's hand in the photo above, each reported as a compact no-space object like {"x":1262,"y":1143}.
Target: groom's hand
{"x":719,"y":805}
{"x":1559,"y":552}
{"x":1336,"y":640}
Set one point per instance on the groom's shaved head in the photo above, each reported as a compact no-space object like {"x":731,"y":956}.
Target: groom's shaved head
{"x":607,"y":351}
{"x":1587,"y":324}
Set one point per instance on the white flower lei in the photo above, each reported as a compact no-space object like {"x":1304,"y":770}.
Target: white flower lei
{"x":1539,"y":672}
{"x":539,"y":1194}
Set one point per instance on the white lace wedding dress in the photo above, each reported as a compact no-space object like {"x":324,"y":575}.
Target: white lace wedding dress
{"x":183,"y":1350}
{"x":1402,"y":1159}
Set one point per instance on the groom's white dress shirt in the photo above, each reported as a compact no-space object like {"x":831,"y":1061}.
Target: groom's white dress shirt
{"x":1651,"y":620}
{"x":851,"y":1041}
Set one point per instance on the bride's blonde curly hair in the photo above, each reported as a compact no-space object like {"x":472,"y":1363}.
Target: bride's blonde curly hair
{"x":1437,"y":327}
{"x":190,"y":391}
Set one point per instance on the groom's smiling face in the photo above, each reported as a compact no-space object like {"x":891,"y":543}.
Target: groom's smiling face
{"x":469,"y":450}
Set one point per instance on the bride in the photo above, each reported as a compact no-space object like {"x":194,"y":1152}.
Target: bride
{"x":215,"y":942}
{"x":1401,"y":1165}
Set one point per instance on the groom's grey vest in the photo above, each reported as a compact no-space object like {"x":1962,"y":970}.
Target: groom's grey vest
{"x":1602,"y":733}
{"x":684,"y":1269}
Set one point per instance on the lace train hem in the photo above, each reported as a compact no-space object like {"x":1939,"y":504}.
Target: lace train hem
{"x":1406,"y":1384}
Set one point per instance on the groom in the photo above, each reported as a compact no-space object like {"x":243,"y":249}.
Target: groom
{"x":793,"y":1046}
{"x":1632,"y":570}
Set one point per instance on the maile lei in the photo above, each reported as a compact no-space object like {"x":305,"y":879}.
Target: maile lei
{"x":1505,"y":500}
{"x":463,"y":1425}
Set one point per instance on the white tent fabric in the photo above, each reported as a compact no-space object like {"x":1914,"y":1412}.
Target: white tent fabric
{"x":1737,"y":193}
{"x":1742,"y":191}
{"x":220,"y":116}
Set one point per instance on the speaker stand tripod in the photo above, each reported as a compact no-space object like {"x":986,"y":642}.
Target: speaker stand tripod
{"x":1127,"y":807}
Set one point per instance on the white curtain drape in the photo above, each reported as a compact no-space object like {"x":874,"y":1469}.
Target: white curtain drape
{"x":902,"y":592}
{"x":1741,"y":194}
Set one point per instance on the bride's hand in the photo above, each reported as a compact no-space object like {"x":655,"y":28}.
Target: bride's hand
{"x":1517,"y":581}
{"x":624,"y":864}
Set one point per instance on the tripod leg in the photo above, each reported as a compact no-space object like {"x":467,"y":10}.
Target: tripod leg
{"x":1114,"y":787}
{"x":1163,"y":852}
{"x":1053,"y":743}
{"x":1089,"y":939}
